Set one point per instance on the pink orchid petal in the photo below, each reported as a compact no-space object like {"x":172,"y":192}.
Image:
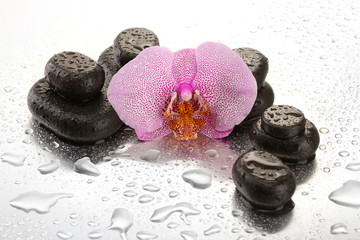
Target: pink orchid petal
{"x":139,"y":91}
{"x":160,"y":132}
{"x":226,"y":83}
{"x":184,"y":65}
{"x":210,"y":131}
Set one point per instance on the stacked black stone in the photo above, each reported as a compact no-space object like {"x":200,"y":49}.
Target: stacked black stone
{"x":71,"y":100}
{"x":259,"y":66}
{"x":284,"y":132}
{"x":127,"y":45}
{"x":263,"y":180}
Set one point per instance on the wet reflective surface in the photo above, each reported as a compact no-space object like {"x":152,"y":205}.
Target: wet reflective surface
{"x":313,"y":51}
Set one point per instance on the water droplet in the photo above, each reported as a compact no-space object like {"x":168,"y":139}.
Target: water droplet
{"x":150,"y":155}
{"x":250,"y":230}
{"x":323,"y":130}
{"x":220,"y":215}
{"x":121,"y":220}
{"x":131,"y":184}
{"x":338,"y":135}
{"x":37,"y":201}
{"x":29,"y":131}
{"x":64,"y":235}
{"x":49,"y":167}
{"x":128,"y":130}
{"x":172,"y":225}
{"x":322,"y":147}
{"x":13,"y":159}
{"x":146,"y":235}
{"x":337,"y":164}
{"x":212,"y":230}
{"x":344,"y":153}
{"x":115,"y":163}
{"x":235,"y":230}
{"x":188,"y":235}
{"x":54,"y":144}
{"x":237,"y":213}
{"x":151,"y":188}
{"x":211,"y":154}
{"x":145,"y":198}
{"x":185,"y":210}
{"x":8,"y":89}
{"x":85,"y":166}
{"x":326,"y":169}
{"x":198,"y":178}
{"x":353,"y":166}
{"x":130,"y":193}
{"x":173,"y":194}
{"x":348,"y":195}
{"x":354,"y":142}
{"x":339,"y":228}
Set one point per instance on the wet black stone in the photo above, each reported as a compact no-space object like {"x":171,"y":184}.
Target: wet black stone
{"x":74,"y":75}
{"x":256,"y":61}
{"x":263,"y":180}
{"x":264,"y":99}
{"x":107,"y":62}
{"x":130,"y":42}
{"x":76,"y":121}
{"x":283,"y":121}
{"x":293,"y":150}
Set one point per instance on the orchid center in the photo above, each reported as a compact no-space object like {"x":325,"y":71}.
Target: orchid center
{"x":187,"y":108}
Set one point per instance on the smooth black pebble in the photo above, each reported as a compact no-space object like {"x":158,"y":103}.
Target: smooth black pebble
{"x":107,"y":62}
{"x":264,"y":99}
{"x":76,"y":121}
{"x":257,"y":62}
{"x":74,"y":75}
{"x":292,"y":149}
{"x":283,"y":121}
{"x":263,"y":180}
{"x":130,"y":42}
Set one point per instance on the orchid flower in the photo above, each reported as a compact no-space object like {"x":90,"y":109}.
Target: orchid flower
{"x":208,"y":90}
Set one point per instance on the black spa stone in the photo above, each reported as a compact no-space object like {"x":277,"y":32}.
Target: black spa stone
{"x":256,"y":62}
{"x":263,"y":180}
{"x":264,"y":99}
{"x":130,"y":42}
{"x":283,"y":121}
{"x":76,"y":121}
{"x":107,"y":62}
{"x":292,"y":150}
{"x":74,"y":75}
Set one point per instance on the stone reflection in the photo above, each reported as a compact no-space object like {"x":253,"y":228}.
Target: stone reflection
{"x":262,"y":222}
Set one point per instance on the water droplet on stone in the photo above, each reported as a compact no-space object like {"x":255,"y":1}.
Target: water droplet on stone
{"x":353,"y":166}
{"x":145,"y":198}
{"x":151,"y":188}
{"x":54,"y":144}
{"x":211,"y":154}
{"x":198,"y":178}
{"x":121,"y":221}
{"x":173,"y":194}
{"x":130,"y":193}
{"x":37,"y":201}
{"x":64,"y":235}
{"x":212,"y":230}
{"x":143,"y":235}
{"x":13,"y":159}
{"x":188,"y":235}
{"x":85,"y":166}
{"x":344,"y":153}
{"x":348,"y":195}
{"x":185,"y":210}
{"x":339,"y":228}
{"x":323,"y":130}
{"x":49,"y":167}
{"x":150,"y":155}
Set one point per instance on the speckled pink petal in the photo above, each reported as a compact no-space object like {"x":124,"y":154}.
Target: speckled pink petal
{"x":210,"y":131}
{"x":140,"y":90}
{"x":226,"y":83}
{"x":184,"y":65}
{"x":160,"y":132}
